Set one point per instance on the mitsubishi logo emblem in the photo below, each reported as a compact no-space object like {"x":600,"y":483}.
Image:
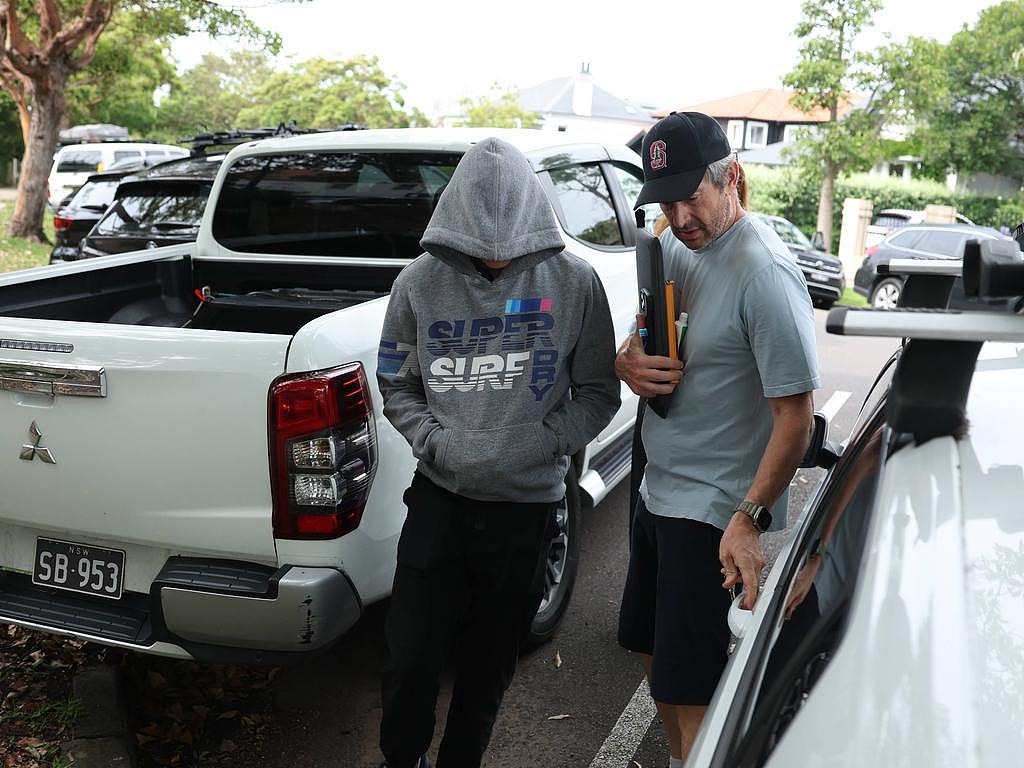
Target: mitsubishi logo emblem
{"x":29,"y":452}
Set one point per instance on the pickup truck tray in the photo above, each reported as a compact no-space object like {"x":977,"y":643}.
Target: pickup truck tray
{"x":279,"y":310}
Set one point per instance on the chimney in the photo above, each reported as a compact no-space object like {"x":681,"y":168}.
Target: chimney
{"x":583,"y":91}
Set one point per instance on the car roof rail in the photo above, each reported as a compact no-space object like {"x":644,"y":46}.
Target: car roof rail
{"x":202,"y":142}
{"x":928,"y":395}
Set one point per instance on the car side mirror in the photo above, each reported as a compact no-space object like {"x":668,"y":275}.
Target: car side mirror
{"x":818,"y":241}
{"x":820,"y":451}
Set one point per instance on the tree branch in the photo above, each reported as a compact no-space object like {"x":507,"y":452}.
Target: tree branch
{"x":17,"y":47}
{"x":49,"y":21}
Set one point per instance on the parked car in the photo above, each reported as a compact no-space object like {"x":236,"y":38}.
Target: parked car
{"x":918,"y":241}
{"x":822,"y":271}
{"x":896,"y":218}
{"x":907,"y":647}
{"x":159,"y":206}
{"x":162,"y":404}
{"x":79,"y":211}
{"x":74,"y":163}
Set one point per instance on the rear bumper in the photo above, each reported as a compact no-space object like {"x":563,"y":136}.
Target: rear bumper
{"x":205,"y":609}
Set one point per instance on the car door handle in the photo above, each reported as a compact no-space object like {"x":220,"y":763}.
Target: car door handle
{"x":52,"y":380}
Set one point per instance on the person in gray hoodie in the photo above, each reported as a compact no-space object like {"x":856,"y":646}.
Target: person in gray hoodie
{"x":485,"y":334}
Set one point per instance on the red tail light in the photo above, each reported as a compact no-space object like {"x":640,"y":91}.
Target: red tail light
{"x":869,"y":252}
{"x":323,"y":452}
{"x":59,"y":222}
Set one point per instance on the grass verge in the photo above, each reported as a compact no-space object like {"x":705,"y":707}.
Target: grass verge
{"x":851,"y":298}
{"x":16,"y":253}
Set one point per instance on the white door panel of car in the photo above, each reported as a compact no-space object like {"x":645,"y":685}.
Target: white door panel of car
{"x":760,"y":690}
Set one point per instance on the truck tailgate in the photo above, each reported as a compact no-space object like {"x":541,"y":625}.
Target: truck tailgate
{"x":154,"y":436}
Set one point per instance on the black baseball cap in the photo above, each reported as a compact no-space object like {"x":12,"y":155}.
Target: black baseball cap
{"x":676,"y":152}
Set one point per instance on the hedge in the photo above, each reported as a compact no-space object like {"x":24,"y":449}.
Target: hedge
{"x":783,"y":192}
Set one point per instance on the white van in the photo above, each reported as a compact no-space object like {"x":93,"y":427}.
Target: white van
{"x":73,"y":163}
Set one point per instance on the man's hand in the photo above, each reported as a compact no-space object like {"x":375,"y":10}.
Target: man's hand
{"x":647,"y":375}
{"x":741,"y":557}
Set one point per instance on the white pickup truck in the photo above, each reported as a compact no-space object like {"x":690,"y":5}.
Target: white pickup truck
{"x":154,"y":406}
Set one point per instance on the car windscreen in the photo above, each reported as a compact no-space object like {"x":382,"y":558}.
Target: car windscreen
{"x":155,"y":208}
{"x":94,"y":195}
{"x":789,"y":233}
{"x":346,"y":204}
{"x":79,"y":161}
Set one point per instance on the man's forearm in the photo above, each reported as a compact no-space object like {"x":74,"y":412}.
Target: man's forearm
{"x":791,"y":434}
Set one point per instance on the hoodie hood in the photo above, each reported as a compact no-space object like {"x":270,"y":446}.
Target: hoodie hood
{"x":493,"y":209}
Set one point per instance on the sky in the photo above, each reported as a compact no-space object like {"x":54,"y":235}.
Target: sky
{"x":669,"y":55}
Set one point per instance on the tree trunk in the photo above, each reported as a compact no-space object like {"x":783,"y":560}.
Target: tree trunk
{"x":825,"y":204}
{"x":47,"y":109}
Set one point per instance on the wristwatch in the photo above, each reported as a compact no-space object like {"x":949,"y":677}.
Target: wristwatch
{"x":758,"y":514}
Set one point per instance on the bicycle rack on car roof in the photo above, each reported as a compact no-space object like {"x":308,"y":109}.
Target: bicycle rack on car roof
{"x":928,"y":395}
{"x":203,"y":142}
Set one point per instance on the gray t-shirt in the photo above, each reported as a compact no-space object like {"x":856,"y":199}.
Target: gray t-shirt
{"x":750,"y":337}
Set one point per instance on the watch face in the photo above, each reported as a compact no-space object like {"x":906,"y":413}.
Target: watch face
{"x":763,"y":519}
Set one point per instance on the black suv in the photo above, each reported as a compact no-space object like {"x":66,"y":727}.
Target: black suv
{"x":823,"y":272}
{"x":78,"y":212}
{"x":162,"y":205}
{"x":919,"y":241}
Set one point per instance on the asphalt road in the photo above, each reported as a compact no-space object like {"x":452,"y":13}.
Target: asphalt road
{"x":328,"y":709}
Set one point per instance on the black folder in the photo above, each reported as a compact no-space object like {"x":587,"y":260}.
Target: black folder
{"x":650,"y":278}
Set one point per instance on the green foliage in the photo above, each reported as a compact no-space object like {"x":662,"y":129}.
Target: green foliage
{"x":210,"y":96}
{"x":499,"y":108}
{"x":786,"y":192}
{"x":177,"y":18}
{"x":318,"y":93}
{"x":979,"y":81}
{"x":118,"y":85}
{"x":825,"y":73}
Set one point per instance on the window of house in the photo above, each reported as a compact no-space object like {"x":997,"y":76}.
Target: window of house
{"x":791,"y":132}
{"x":757,"y":135}
{"x":734,"y":130}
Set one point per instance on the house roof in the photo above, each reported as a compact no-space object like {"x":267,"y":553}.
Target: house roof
{"x":769,"y":104}
{"x":556,"y":97}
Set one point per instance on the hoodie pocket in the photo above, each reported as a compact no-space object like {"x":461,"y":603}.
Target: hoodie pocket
{"x":511,"y":456}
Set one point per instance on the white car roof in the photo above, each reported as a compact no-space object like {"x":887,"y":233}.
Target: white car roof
{"x":433,"y":139}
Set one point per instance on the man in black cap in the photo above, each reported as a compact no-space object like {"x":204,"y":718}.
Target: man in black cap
{"x":720,"y":462}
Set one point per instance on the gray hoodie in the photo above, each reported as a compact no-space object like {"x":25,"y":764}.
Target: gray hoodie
{"x":476,"y":373}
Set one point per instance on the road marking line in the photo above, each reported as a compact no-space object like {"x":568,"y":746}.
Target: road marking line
{"x":620,"y":746}
{"x":837,"y":401}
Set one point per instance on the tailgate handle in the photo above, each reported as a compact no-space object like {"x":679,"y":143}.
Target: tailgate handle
{"x":52,"y":380}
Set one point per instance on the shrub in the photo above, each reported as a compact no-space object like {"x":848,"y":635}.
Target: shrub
{"x":783,"y":192}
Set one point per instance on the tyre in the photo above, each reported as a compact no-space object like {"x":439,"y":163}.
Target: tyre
{"x":886,"y":293}
{"x":562,"y":562}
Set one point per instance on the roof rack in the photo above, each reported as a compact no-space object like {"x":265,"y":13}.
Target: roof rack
{"x":203,"y":142}
{"x":928,"y":396}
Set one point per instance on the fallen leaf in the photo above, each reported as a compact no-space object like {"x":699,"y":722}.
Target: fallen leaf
{"x":559,"y":717}
{"x":558,"y":659}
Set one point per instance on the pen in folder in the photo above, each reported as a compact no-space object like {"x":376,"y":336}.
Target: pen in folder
{"x":670,"y":317}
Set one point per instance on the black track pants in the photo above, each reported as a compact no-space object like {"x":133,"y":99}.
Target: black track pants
{"x":469,"y":579}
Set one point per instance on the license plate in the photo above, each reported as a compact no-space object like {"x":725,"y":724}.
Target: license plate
{"x":821,"y":277}
{"x":83,"y":568}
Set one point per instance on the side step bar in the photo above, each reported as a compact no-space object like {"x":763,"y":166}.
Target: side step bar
{"x":607,"y":469}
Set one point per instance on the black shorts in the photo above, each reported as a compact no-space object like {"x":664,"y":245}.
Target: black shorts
{"x":674,"y":607}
